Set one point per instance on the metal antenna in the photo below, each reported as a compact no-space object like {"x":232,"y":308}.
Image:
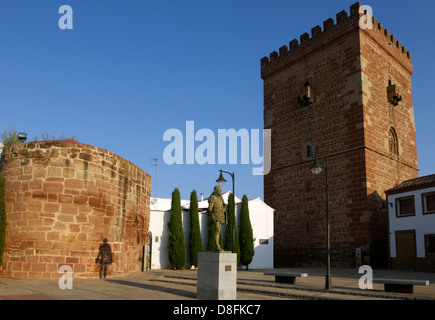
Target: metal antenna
{"x":155,"y":177}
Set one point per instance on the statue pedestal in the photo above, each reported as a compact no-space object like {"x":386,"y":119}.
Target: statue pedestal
{"x":217,"y":276}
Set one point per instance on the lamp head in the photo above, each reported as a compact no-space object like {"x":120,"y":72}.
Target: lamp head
{"x":316,"y":168}
{"x":221,"y":180}
{"x":22,"y":136}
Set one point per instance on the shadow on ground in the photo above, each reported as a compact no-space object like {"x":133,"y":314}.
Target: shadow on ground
{"x":178,"y":292}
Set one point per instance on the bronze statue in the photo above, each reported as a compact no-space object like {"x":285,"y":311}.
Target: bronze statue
{"x":217,"y":212}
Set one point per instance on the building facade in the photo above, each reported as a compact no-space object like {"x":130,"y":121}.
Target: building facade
{"x":342,"y":94}
{"x":411,"y":207}
{"x":261,"y":216}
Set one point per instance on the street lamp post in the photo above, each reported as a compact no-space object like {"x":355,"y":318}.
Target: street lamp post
{"x":317,"y":169}
{"x":221,"y":181}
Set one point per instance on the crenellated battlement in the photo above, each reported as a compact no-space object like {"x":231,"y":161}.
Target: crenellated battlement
{"x":377,"y":26}
{"x":344,"y":23}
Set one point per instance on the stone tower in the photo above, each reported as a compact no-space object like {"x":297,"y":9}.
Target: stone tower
{"x":62,"y":200}
{"x":344,"y":94}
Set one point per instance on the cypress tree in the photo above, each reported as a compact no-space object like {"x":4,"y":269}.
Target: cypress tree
{"x":229,"y":229}
{"x":176,"y":246}
{"x":195,"y":239}
{"x":246,"y":235}
{"x":3,"y":222}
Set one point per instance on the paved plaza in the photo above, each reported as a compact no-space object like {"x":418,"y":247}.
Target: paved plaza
{"x":165,"y":284}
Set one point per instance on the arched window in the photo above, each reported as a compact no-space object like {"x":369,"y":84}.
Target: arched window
{"x":393,"y":142}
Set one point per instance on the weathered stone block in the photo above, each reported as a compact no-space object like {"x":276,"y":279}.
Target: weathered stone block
{"x":52,"y":187}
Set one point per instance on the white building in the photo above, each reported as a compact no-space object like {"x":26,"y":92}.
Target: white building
{"x":411,"y":208}
{"x":261,"y":216}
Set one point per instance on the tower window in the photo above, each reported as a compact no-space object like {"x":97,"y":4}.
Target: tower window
{"x":309,"y":151}
{"x":393,"y":94}
{"x":305,"y":95}
{"x":393,"y":143}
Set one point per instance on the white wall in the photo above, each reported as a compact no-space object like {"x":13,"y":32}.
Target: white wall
{"x":261,"y":217}
{"x":422,"y":224}
{"x":158,"y":227}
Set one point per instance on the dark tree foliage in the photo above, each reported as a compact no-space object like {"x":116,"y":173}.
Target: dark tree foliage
{"x":229,"y":229}
{"x":246,"y":235}
{"x":176,"y":246}
{"x":195,"y":239}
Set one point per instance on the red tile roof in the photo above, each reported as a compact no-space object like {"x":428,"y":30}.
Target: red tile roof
{"x":417,"y":183}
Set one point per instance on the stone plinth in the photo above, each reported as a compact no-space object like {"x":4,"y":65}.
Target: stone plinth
{"x":217,"y":276}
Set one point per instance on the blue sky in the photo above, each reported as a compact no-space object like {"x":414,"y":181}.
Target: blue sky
{"x":130,"y":70}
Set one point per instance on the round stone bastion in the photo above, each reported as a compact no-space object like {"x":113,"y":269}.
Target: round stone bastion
{"x":62,"y":200}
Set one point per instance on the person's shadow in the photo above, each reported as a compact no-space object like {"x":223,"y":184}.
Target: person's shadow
{"x":104,"y":258}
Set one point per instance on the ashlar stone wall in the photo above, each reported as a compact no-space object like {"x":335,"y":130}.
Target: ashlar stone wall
{"x":63,"y":199}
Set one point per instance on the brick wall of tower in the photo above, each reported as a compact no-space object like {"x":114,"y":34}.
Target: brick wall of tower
{"x":343,"y":122}
{"x":385,"y":61}
{"x":62,"y":200}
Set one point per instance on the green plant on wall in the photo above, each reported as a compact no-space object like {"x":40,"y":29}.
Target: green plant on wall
{"x":9,"y":137}
{"x":59,"y":141}
{"x":3,"y":221}
{"x":47,"y":137}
